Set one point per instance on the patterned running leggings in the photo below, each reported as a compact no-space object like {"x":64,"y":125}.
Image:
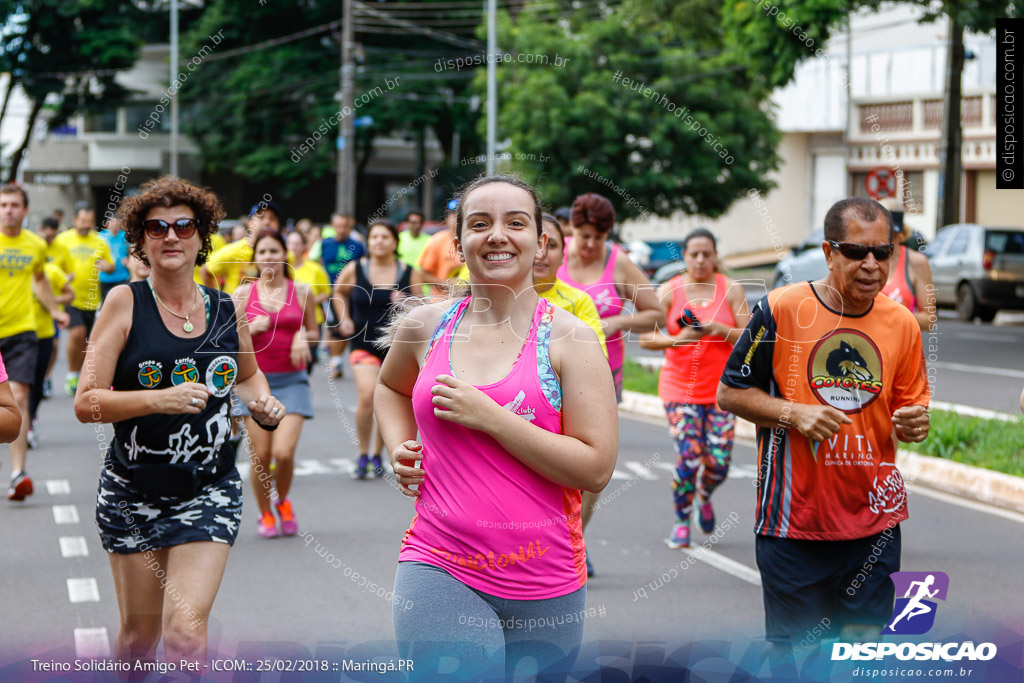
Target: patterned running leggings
{"x":703,"y":436}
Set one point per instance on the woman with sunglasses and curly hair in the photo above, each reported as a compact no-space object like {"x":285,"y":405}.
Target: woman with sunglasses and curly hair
{"x":164,"y":358}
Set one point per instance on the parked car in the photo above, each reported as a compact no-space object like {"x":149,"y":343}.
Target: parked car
{"x":807,"y":260}
{"x":978,"y":269}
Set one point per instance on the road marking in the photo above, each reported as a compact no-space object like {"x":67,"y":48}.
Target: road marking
{"x":979,"y":369}
{"x":83,"y":590}
{"x":619,"y":474}
{"x":65,"y":514}
{"x":726,"y":564}
{"x":308,"y":466}
{"x":344,"y":464}
{"x":73,"y":546}
{"x":58,"y":487}
{"x":985,"y":337}
{"x":640,"y":471}
{"x":92,"y":643}
{"x":965,"y":503}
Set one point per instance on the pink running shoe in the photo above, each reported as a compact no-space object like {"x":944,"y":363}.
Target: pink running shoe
{"x":268,"y":526}
{"x":289,"y":527}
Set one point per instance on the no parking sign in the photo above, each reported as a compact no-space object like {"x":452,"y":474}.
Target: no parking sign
{"x":881,"y":183}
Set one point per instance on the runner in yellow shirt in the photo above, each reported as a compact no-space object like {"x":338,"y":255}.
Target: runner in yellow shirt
{"x":309,"y":272}
{"x":90,"y":254}
{"x":46,"y":334}
{"x":22,"y":261}
{"x":229,"y":266}
{"x":217,"y":241}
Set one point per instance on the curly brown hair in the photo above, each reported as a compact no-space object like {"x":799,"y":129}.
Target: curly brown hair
{"x":166,"y":192}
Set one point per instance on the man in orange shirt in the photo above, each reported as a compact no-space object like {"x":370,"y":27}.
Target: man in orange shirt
{"x":438,"y":261}
{"x":832,"y":374}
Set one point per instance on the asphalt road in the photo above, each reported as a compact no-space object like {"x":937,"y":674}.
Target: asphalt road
{"x":281,"y":597}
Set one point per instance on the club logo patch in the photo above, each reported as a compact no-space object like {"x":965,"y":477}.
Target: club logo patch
{"x":221,"y":374}
{"x":845,"y":370}
{"x":184,"y":371}
{"x":150,"y":373}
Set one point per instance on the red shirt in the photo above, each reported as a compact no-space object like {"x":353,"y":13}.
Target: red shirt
{"x":867,"y":365}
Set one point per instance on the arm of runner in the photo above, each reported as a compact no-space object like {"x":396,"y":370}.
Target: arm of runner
{"x":96,"y":402}
{"x":10,"y":416}
{"x":910,"y":391}
{"x":343,"y":287}
{"x":105,"y":260}
{"x":41,"y":288}
{"x":393,"y":395}
{"x":634,"y":286}
{"x":659,"y":339}
{"x":300,"y":351}
{"x":251,"y":385}
{"x":736,"y":300}
{"x":583,"y":455}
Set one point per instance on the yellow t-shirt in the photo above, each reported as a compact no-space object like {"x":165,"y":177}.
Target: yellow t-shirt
{"x":217,"y":241}
{"x":315,"y":275}
{"x":85,"y":251}
{"x":579,"y":303}
{"x":44,"y":321}
{"x":58,"y":254}
{"x":21,"y":258}
{"x":230,"y":263}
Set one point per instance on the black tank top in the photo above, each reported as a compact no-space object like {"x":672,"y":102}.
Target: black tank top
{"x":371,"y":305}
{"x":153,"y":358}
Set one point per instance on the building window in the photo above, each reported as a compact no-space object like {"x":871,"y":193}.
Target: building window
{"x":101,"y":122}
{"x":889,"y":116}
{"x":138,"y":114}
{"x":970,"y":112}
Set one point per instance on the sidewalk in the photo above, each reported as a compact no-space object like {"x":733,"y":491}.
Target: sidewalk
{"x":974,"y":483}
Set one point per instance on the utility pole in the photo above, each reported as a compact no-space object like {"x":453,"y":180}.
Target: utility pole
{"x":492,"y":82}
{"x":174,"y":78}
{"x":950,"y":146}
{"x":346,"y":199}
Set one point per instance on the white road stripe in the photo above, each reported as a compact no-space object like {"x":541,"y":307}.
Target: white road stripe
{"x":986,"y":338}
{"x":346,"y":465}
{"x":83,"y":590}
{"x":965,"y":503}
{"x":65,"y":514}
{"x":73,"y":546}
{"x":58,"y":487}
{"x":978,"y":369}
{"x":619,"y":474}
{"x":727,"y":565}
{"x":92,"y":643}
{"x":640,"y":471}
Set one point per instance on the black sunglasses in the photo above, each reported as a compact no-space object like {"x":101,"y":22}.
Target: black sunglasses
{"x":859,"y":252}
{"x":183,"y":227}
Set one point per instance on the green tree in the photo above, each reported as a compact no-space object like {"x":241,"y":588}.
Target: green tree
{"x":257,"y":99}
{"x":705,"y":139}
{"x":71,"y":49}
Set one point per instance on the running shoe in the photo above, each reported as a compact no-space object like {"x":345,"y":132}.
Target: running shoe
{"x":706,"y":517}
{"x":362,"y":467}
{"x":680,"y":537}
{"x":590,"y":567}
{"x":268,"y":526}
{"x":378,"y":467}
{"x":337,"y":371}
{"x":289,"y":527}
{"x":71,"y":385}
{"x":21,"y":486}
{"x":33,"y":441}
{"x":47,"y":388}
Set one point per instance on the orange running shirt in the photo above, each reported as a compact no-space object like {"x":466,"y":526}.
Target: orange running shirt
{"x":867,"y":365}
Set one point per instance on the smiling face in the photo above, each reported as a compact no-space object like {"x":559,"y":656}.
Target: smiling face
{"x":858,"y":282}
{"x":268,"y":254}
{"x":546,"y":269}
{"x":170,"y":253}
{"x":700,"y":259}
{"x":380,"y":242}
{"x":499,"y":234}
{"x":589,"y":242}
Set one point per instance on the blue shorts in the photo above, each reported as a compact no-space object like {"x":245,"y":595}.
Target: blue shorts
{"x":826,"y":584}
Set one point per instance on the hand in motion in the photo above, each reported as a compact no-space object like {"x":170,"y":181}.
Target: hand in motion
{"x":911,"y":423}
{"x":403,"y":461}
{"x":818,"y":423}
{"x":266,"y":410}
{"x":347,"y":328}
{"x":300,"y":354}
{"x":62,"y":319}
{"x":259,"y":324}
{"x":185,"y":399}
{"x":461,"y":402}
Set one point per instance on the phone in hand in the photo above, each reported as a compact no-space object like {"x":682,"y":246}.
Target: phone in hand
{"x":688,"y":319}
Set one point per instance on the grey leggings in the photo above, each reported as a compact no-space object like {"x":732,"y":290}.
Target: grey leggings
{"x":484,"y":636}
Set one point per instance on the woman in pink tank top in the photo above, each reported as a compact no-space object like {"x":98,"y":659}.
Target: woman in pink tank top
{"x":281,"y":316}
{"x":513,"y":422}
{"x":601,"y":270}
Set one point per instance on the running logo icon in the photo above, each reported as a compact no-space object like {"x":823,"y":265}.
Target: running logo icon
{"x":914,"y":613}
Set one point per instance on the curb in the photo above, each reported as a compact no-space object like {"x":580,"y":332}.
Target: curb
{"x":966,"y":481}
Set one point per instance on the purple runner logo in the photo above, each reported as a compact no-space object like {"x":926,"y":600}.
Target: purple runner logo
{"x":914,"y":613}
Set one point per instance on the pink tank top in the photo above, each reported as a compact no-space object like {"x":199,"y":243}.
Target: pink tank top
{"x":606,"y":298}
{"x":274,"y":346}
{"x":899,"y":288}
{"x":483,"y":516}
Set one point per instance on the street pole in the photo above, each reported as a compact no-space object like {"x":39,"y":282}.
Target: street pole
{"x":345,"y":203}
{"x":952,"y":134}
{"x":174,"y":76}
{"x":492,"y":82}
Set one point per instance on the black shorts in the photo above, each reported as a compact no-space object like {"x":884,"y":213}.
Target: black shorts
{"x":806,"y":583}
{"x":20,"y":352}
{"x":81,"y":317}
